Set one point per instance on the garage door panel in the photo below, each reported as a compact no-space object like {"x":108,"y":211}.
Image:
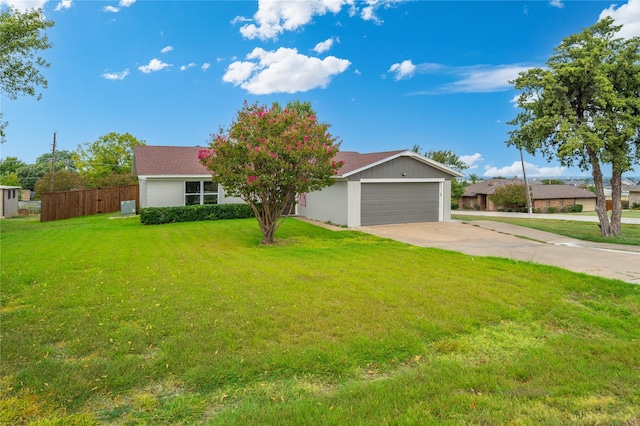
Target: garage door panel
{"x":383,"y":203}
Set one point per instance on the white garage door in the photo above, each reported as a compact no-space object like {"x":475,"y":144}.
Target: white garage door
{"x":384,"y":203}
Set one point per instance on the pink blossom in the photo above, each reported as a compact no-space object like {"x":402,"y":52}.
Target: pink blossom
{"x":251,"y":179}
{"x":299,"y":146}
{"x":205,"y":153}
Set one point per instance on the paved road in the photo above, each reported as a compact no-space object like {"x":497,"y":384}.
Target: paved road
{"x":487,"y":238}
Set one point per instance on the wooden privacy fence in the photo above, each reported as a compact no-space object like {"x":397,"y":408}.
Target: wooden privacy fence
{"x":85,"y":202}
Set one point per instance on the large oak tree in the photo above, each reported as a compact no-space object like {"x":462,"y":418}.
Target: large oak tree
{"x":583,"y":108}
{"x":270,"y":155}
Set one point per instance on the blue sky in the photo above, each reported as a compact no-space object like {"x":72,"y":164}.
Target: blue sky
{"x":385,"y":74}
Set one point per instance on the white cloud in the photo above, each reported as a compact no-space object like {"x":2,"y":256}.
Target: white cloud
{"x":186,"y":67}
{"x":556,"y":3}
{"x":153,"y":65}
{"x":205,"y":66}
{"x":64,"y":4}
{"x":532,"y":170}
{"x":403,"y":70}
{"x":116,"y":75}
{"x":275,"y":17}
{"x":239,"y":19}
{"x":324,"y":46}
{"x":627,"y":15}
{"x":166,"y":49}
{"x":283,"y":71}
{"x":471,"y":160}
{"x":24,"y":4}
{"x":482,"y":79}
{"x":121,"y":4}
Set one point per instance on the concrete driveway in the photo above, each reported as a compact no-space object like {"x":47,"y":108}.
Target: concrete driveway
{"x":487,"y":238}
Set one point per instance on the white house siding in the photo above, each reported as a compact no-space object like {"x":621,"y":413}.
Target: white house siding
{"x":446,"y":201}
{"x":326,"y":205}
{"x":223,"y":198}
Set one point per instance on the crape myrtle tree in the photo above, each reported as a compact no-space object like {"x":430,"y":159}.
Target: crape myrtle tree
{"x":584,"y":109}
{"x":269,"y":155}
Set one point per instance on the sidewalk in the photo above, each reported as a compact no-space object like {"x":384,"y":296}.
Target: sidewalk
{"x":556,"y":216}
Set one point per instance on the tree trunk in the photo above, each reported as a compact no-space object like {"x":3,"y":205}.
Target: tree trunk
{"x":601,"y":200}
{"x":616,"y":202}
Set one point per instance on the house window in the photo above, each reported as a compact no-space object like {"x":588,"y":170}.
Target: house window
{"x":200,"y":192}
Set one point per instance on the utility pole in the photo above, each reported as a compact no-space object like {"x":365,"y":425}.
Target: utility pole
{"x":53,"y":162}
{"x":526,"y":183}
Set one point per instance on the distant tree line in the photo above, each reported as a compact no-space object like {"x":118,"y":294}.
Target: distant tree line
{"x":103,"y":163}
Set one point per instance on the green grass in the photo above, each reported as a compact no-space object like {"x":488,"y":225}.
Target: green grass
{"x":588,"y":231}
{"x":108,"y":321}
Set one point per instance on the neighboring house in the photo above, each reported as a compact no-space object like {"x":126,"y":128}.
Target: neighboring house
{"x":10,"y":195}
{"x":370,"y":189}
{"x":543,"y":197}
{"x":634,"y":195}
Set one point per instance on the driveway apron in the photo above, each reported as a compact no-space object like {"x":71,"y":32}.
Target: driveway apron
{"x":487,"y":238}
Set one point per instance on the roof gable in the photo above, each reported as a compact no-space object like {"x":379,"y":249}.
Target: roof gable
{"x":354,"y":162}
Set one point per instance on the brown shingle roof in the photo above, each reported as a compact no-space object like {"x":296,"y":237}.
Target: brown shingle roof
{"x":547,"y":192}
{"x":151,"y":160}
{"x":167,"y":161}
{"x":354,"y":160}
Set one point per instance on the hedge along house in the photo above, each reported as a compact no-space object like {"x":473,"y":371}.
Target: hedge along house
{"x":383,"y":188}
{"x":370,"y":189}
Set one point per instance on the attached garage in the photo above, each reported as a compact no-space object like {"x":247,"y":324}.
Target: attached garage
{"x":383,"y":188}
{"x":387,"y":202}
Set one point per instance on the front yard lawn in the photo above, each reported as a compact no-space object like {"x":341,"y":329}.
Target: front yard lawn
{"x":109,"y":321}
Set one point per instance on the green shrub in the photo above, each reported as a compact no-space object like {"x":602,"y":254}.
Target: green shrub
{"x":551,"y":209}
{"x":573,"y":208}
{"x":160,"y":215}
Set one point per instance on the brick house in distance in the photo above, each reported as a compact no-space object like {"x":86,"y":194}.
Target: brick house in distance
{"x":543,"y":197}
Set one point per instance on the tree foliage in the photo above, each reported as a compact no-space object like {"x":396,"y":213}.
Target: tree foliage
{"x":511,"y":197}
{"x":21,"y":40}
{"x":63,"y":180}
{"x":110,"y":154}
{"x":584,"y":110}
{"x":269,"y":155}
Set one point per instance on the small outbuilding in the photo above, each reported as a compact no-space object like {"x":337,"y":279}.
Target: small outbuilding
{"x":370,"y":189}
{"x":10,"y":195}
